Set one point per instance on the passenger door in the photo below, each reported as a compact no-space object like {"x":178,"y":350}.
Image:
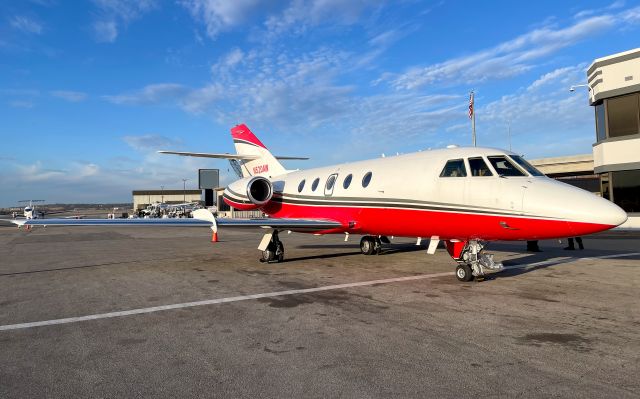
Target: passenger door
{"x":330,"y":185}
{"x":452,"y":183}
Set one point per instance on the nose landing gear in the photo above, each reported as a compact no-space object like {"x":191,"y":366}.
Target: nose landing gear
{"x":472,"y":261}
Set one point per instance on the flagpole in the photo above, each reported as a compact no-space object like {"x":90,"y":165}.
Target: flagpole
{"x":472,"y":111}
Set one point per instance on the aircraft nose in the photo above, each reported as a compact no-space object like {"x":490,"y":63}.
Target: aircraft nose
{"x":597,"y":214}
{"x":608,"y":213}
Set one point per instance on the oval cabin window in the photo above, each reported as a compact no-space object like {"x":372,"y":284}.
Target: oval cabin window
{"x":347,"y":181}
{"x":366,"y":179}
{"x":315,"y":183}
{"x":301,"y":186}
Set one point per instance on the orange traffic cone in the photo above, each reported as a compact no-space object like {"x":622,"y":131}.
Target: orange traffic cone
{"x":214,"y":237}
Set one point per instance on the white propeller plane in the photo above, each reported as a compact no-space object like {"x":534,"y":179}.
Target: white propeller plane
{"x":465,"y":197}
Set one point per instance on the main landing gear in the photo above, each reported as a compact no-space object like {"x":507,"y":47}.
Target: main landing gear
{"x":370,"y":245}
{"x":274,"y":251}
{"x":472,"y":261}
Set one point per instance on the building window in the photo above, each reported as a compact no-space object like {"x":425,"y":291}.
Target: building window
{"x":601,"y":128}
{"x":454,"y":168}
{"x":604,"y":186}
{"x":622,"y":113}
{"x":625,"y":187}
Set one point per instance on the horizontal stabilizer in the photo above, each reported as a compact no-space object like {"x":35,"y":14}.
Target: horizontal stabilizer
{"x":290,"y":158}
{"x":226,"y":156}
{"x":207,"y":155}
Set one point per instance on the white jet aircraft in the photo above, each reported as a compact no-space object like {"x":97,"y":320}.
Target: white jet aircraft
{"x":465,"y":197}
{"x":30,"y":211}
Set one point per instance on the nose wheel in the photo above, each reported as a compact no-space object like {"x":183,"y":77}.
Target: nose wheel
{"x":370,"y":245}
{"x":464,"y":272}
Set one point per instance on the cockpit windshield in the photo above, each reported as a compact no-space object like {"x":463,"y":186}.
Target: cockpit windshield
{"x":526,"y":166}
{"x":504,"y":166}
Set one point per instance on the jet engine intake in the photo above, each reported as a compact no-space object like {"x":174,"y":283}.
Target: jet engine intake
{"x":259,"y":190}
{"x":249,"y":193}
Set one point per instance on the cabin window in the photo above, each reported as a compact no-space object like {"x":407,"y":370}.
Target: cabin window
{"x":330,"y":185}
{"x":479,"y":167}
{"x":454,"y":168}
{"x":366,"y":179}
{"x":347,"y":181}
{"x":504,"y":167}
{"x":330,"y":182}
{"x":301,"y":186}
{"x":527,"y":166}
{"x":315,"y":183}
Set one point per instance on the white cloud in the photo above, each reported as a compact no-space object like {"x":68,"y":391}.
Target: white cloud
{"x":26,"y":25}
{"x":106,"y":31}
{"x":114,"y":14}
{"x":151,"y":142}
{"x":510,"y":58}
{"x":546,"y":119}
{"x":151,"y":94}
{"x":99,"y":183}
{"x":21,"y":103}
{"x":220,"y":15}
{"x":72,"y":96}
{"x":302,"y":14}
{"x":560,"y":77}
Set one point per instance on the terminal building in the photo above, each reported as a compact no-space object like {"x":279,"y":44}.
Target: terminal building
{"x":576,"y":170}
{"x":614,"y":92}
{"x":613,"y":169}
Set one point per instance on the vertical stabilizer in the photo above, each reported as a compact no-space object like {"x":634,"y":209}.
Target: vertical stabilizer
{"x":247,"y":143}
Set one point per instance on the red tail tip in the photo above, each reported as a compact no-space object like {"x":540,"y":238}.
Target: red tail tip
{"x":242,"y":132}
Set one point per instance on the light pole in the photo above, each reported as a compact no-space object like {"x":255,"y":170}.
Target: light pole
{"x":184,"y":190}
{"x":162,"y":191}
{"x":573,"y":88}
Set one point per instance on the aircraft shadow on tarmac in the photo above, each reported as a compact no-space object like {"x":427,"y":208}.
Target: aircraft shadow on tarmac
{"x":550,"y":257}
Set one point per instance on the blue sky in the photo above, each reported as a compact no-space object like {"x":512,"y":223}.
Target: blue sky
{"x":90,"y":90}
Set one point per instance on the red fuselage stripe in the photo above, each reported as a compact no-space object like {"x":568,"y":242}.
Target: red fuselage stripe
{"x":428,"y":222}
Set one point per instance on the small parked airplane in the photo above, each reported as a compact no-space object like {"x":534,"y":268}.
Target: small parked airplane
{"x":30,"y":211}
{"x":465,"y":197}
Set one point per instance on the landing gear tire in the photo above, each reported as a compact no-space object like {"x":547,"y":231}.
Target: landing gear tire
{"x":268,"y":256}
{"x":463,"y":273}
{"x":370,"y":245}
{"x":274,"y":252}
{"x":280,"y":251}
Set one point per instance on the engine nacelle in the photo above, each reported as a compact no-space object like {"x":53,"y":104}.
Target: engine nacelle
{"x":249,"y":193}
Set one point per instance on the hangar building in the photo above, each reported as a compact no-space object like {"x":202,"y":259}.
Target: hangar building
{"x":143,"y":198}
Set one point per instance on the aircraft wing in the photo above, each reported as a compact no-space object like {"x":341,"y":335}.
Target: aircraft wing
{"x":262,"y":223}
{"x":225,"y":156}
{"x":187,"y":222}
{"x":283,"y":224}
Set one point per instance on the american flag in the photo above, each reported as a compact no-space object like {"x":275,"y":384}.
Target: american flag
{"x":470,"y":105}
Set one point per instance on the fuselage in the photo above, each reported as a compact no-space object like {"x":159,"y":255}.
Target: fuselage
{"x":453,"y":193}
